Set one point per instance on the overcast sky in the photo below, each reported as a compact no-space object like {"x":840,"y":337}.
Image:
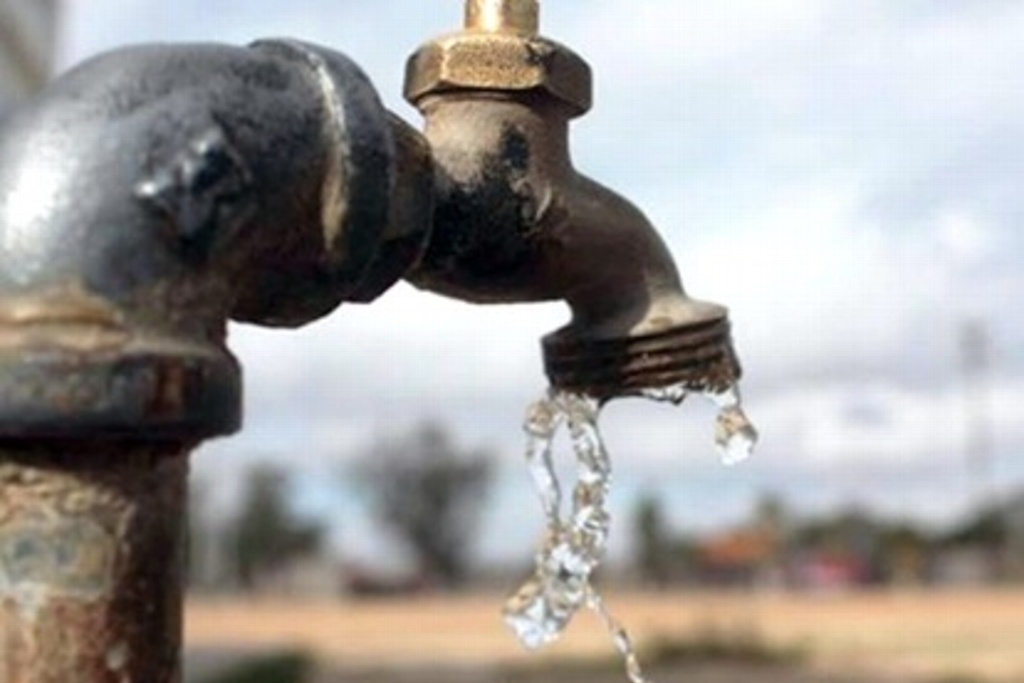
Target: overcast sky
{"x":845,"y":176}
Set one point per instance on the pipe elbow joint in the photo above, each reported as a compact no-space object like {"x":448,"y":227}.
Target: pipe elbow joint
{"x":153,"y":193}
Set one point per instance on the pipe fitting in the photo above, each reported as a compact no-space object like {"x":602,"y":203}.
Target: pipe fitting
{"x":155,"y":192}
{"x":516,"y":222}
{"x":521,"y":16}
{"x":499,"y":51}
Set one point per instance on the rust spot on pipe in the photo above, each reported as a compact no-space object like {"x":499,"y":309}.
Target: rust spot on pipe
{"x":91,"y":549}
{"x":69,"y":556}
{"x":169,"y":395}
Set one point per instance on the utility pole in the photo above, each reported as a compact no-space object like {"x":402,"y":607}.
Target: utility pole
{"x":975,"y":349}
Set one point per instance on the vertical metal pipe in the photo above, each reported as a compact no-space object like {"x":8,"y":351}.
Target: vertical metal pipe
{"x":91,"y":561}
{"x":126,"y":246}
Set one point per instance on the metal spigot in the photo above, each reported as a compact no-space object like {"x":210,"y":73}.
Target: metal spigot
{"x":516,"y":222}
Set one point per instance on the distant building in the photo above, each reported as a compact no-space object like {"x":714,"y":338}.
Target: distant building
{"x":823,"y":571}
{"x":747,"y":557}
{"x":28,"y":33}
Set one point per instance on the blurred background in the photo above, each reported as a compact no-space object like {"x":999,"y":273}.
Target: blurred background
{"x":845,"y":176}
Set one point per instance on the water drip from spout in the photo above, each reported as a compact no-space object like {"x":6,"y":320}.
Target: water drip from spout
{"x":574,"y":544}
{"x":735,"y":435}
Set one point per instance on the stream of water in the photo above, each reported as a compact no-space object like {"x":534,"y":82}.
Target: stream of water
{"x":574,"y":543}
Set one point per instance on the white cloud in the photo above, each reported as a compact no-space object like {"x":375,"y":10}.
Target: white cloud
{"x":844,"y":177}
{"x":964,"y":239}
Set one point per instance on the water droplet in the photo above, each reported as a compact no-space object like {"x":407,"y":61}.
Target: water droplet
{"x":673,"y":394}
{"x":542,"y":421}
{"x":735,"y":435}
{"x":542,"y":608}
{"x":623,"y":643}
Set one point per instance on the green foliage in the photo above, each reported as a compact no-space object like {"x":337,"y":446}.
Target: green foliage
{"x":267,"y":534}
{"x":987,"y":528}
{"x":714,"y":644}
{"x":655,"y":547}
{"x":286,"y":668}
{"x":711,"y":645}
{"x":431,"y":494}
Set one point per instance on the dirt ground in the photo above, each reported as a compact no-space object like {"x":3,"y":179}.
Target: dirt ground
{"x":720,"y":673}
{"x":890,"y":636}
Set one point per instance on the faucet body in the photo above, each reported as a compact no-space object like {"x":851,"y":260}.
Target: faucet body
{"x":515,"y":221}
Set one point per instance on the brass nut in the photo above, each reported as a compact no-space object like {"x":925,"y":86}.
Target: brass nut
{"x":499,"y":62}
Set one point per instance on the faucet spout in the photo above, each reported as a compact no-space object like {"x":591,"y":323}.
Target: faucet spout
{"x":515,"y":222}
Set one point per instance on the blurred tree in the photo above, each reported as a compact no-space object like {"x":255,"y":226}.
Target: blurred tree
{"x":902,"y":553}
{"x":653,"y":543}
{"x":283,"y":668}
{"x":986,"y":528}
{"x":770,"y":514}
{"x":848,"y":532}
{"x":772,"y":523}
{"x":430,"y":493}
{"x":267,"y":534}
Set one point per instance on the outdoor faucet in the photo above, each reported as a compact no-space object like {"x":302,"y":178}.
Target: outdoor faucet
{"x":156,"y":192}
{"x":516,"y":222}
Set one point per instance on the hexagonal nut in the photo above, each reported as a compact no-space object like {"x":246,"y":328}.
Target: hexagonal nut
{"x":499,"y":62}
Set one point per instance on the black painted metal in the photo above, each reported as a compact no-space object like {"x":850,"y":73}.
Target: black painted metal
{"x":153,"y":193}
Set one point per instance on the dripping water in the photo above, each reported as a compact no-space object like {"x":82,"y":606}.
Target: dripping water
{"x":735,"y":436}
{"x":574,"y":544}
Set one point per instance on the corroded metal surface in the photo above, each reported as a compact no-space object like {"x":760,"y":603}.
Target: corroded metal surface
{"x":91,"y":552}
{"x":516,"y":222}
{"x":697,"y":356}
{"x":154,"y":192}
{"x":146,"y":197}
{"x":512,"y":16}
{"x":499,"y":50}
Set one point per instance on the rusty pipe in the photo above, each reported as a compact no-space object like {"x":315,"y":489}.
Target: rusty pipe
{"x":146,"y":197}
{"x":91,"y":553}
{"x":516,"y":222}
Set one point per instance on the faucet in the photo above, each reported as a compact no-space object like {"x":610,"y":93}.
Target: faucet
{"x":516,"y":222}
{"x":153,"y":193}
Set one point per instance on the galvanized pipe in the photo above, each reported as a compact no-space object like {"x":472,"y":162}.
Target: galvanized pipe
{"x":92,"y":542}
{"x":146,"y":197}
